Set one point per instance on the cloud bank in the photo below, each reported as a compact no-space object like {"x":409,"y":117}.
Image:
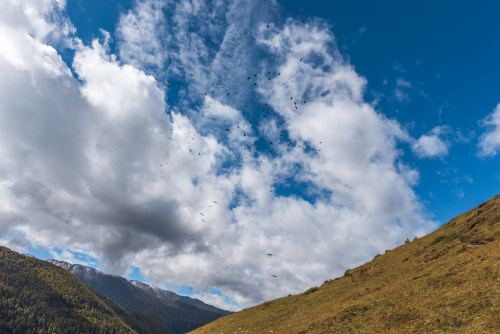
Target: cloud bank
{"x":195,"y":152}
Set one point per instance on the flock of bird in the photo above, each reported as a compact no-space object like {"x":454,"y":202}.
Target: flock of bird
{"x":253,"y":147}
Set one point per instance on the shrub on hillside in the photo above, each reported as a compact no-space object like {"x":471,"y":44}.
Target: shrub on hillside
{"x":438,"y":239}
{"x":311,"y":290}
{"x":451,"y":237}
{"x":494,"y":220}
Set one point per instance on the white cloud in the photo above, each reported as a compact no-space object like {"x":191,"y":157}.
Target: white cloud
{"x":401,"y":90}
{"x":41,"y":19}
{"x":400,"y":82}
{"x":371,"y":203}
{"x":81,"y":162}
{"x":489,"y":142}
{"x":139,"y":27}
{"x":431,"y":145}
{"x":215,"y":108}
{"x":103,"y":166}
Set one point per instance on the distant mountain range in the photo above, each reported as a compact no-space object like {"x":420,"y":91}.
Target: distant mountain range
{"x":445,"y":282}
{"x":38,"y":297}
{"x":180,"y":314}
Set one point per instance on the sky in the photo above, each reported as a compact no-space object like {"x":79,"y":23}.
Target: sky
{"x":239,"y":151}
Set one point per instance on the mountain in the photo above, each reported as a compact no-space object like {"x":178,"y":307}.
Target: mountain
{"x":39,"y":297}
{"x":445,"y":282}
{"x":180,"y":314}
{"x":172,"y":296}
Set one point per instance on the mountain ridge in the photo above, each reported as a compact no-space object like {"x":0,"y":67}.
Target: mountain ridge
{"x":172,"y":296}
{"x":179,"y":313}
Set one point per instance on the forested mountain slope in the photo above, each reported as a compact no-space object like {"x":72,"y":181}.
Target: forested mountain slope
{"x":39,"y":297}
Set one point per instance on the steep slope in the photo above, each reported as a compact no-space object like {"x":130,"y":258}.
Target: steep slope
{"x":166,"y":307}
{"x":39,"y":297}
{"x":445,"y":282}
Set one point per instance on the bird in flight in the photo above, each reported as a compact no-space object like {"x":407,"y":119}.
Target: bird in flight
{"x":269,"y":254}
{"x":274,"y":276}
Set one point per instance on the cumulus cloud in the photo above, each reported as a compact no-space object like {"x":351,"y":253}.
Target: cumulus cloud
{"x":432,"y":145}
{"x":293,"y":162}
{"x":489,"y":142}
{"x":82,"y":161}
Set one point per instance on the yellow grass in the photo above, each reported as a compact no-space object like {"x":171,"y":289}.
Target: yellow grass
{"x":445,"y":282}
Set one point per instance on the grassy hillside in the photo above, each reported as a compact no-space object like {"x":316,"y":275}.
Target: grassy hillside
{"x":445,"y":282}
{"x":39,"y":297}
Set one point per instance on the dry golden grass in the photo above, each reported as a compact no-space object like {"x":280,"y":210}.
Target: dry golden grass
{"x":445,"y":282}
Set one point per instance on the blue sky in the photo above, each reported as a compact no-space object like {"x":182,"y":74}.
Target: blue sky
{"x":180,"y":142}
{"x":449,"y":54}
{"x":444,"y":51}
